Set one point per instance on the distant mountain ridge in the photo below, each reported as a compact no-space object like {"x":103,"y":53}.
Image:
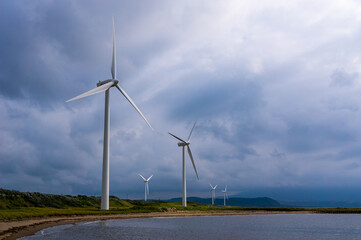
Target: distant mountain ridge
{"x":235,"y":201}
{"x":321,"y":204}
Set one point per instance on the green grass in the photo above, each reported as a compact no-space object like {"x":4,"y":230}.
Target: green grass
{"x":15,"y":205}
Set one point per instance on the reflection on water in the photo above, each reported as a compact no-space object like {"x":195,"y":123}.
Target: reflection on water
{"x":272,"y":227}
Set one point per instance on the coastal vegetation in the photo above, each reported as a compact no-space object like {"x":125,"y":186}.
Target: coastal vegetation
{"x":16,"y":205}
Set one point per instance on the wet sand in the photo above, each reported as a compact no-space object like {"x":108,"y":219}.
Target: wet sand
{"x":11,"y":230}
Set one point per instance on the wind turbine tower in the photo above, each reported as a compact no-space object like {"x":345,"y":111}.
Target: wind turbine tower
{"x":101,"y":87}
{"x":213,"y":193}
{"x":146,"y":187}
{"x":184,"y":144}
{"x":224,"y":195}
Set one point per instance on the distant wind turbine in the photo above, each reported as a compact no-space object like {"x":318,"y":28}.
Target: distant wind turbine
{"x":213,"y":193}
{"x":101,"y":87}
{"x":183,"y":144}
{"x":225,"y":195}
{"x":146,"y":187}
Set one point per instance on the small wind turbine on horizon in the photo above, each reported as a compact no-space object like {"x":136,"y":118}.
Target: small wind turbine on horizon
{"x":225,"y":195}
{"x":146,"y":187}
{"x":213,"y":193}
{"x":101,"y":87}
{"x":184,"y":144}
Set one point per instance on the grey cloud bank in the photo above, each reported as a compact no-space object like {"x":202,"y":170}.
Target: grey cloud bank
{"x":275,"y":88}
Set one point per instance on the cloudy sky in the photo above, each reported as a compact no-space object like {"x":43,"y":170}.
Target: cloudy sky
{"x":275,"y":87}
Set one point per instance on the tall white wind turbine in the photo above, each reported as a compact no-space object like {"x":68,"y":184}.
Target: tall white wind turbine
{"x":146,"y":187}
{"x":184,"y":144}
{"x":101,"y":87}
{"x":213,"y":193}
{"x":225,"y":195}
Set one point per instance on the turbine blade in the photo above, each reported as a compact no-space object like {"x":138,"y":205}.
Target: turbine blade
{"x":211,"y":186}
{"x":177,"y":137}
{"x":142,"y":177}
{"x":113,"y":68}
{"x":191,"y":157}
{"x":149,"y":178}
{"x":190,"y":134}
{"x":133,"y":104}
{"x":225,"y":188}
{"x":215,"y":186}
{"x":147,"y":189}
{"x":93,"y":91}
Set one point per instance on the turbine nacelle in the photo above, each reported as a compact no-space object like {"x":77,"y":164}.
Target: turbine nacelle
{"x":183,"y":144}
{"x":100,"y":83}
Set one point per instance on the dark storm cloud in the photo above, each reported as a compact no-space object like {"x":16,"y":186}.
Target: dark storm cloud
{"x":33,"y":63}
{"x":207,"y":101}
{"x":276,"y":101}
{"x":303,"y":137}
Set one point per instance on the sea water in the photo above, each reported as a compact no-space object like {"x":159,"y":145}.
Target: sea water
{"x":273,"y":226}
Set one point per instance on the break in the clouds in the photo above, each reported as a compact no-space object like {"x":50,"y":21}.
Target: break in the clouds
{"x":275,"y":87}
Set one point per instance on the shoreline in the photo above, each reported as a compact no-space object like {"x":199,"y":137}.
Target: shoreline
{"x":12,"y":230}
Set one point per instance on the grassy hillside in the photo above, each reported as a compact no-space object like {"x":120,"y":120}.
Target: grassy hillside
{"x":15,"y":199}
{"x":21,"y":205}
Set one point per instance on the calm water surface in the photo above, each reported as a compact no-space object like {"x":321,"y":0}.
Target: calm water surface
{"x":280,"y":226}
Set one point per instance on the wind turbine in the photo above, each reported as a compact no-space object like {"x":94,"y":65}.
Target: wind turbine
{"x":213,"y":193}
{"x":146,"y":187}
{"x":224,"y":195}
{"x":183,"y":144}
{"x":101,"y":87}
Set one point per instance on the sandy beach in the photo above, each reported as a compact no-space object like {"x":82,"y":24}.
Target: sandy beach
{"x":11,"y":230}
